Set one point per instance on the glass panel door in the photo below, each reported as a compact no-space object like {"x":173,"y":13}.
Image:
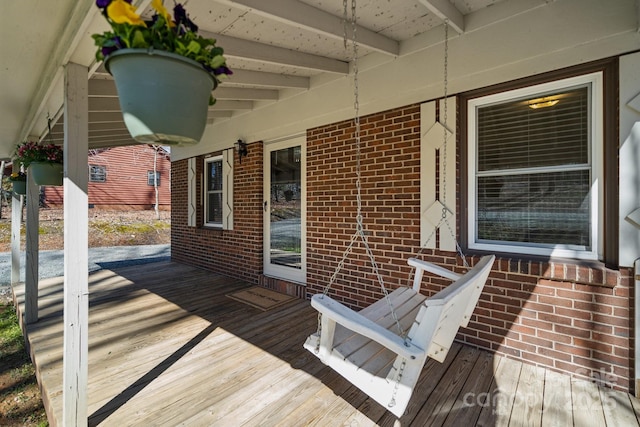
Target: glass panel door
{"x":285,"y":211}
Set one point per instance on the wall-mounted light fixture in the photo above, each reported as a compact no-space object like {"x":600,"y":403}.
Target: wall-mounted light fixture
{"x":241,"y":148}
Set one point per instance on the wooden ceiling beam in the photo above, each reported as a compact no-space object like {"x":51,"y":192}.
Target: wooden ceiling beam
{"x":299,"y":14}
{"x":445,"y":10}
{"x":254,"y":51}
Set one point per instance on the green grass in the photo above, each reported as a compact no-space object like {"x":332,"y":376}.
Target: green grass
{"x":134,"y":228}
{"x":11,"y":339}
{"x":20,"y":402}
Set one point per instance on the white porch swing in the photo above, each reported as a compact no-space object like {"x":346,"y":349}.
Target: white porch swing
{"x":363,"y":346}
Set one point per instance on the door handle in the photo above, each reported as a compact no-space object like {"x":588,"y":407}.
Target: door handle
{"x":265,"y":205}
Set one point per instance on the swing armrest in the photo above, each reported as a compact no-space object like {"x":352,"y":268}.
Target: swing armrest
{"x":433,"y":268}
{"x":356,"y":322}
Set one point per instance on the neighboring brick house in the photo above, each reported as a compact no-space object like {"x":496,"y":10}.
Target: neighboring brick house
{"x":122,"y":178}
{"x":566,"y":305}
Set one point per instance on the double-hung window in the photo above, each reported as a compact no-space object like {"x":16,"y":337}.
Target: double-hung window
{"x":153,"y":179}
{"x":97,"y":173}
{"x":535,"y":178}
{"x":213,"y":191}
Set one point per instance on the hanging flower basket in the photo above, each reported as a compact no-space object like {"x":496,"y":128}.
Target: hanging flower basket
{"x":46,"y":173}
{"x":163,"y":69}
{"x":44,"y":161}
{"x":164,"y":97}
{"x":20,"y":187}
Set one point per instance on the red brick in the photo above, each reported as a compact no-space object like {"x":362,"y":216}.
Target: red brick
{"x":555,"y":301}
{"x":595,"y":327}
{"x":553,"y":354}
{"x":592,"y":345}
{"x":554,"y":337}
{"x":571,"y":349}
{"x":538,"y":358}
{"x":573,"y":332}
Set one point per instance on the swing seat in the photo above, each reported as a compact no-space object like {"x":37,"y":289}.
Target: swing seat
{"x":365,"y":349}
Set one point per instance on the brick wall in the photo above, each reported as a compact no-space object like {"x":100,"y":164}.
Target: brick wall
{"x":390,"y":183}
{"x":235,"y":253}
{"x":564,"y":316}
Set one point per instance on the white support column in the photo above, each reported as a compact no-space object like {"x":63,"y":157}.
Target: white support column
{"x":16,"y":223}
{"x":31,"y":249}
{"x":76,"y":264}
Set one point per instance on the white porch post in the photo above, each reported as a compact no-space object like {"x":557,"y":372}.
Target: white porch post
{"x":31,"y":249}
{"x":76,"y":265}
{"x":16,"y":222}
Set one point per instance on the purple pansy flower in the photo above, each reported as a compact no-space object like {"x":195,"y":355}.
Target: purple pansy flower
{"x":222,"y":70}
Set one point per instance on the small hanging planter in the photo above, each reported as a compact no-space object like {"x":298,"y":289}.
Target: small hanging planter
{"x":20,"y":187}
{"x":43,"y":161}
{"x":46,"y":173}
{"x":163,"y":69}
{"x":164,"y":97}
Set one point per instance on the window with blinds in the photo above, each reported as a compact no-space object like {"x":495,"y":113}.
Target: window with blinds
{"x":213,"y":199}
{"x":533,"y":172}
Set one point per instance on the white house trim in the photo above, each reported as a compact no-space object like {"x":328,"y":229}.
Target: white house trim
{"x":432,"y":145}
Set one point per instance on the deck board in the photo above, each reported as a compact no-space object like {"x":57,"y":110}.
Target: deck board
{"x":527,"y":406}
{"x":167,"y":347}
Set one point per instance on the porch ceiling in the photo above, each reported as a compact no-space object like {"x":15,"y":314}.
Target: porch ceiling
{"x":272,"y":46}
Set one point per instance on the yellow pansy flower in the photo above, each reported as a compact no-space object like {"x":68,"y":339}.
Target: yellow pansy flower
{"x":121,"y":12}
{"x":159,"y":7}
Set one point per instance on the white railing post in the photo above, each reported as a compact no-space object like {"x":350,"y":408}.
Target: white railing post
{"x":16,"y":223}
{"x":31,"y":248}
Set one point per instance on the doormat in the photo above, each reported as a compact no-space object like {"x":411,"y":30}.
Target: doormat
{"x":261,"y":298}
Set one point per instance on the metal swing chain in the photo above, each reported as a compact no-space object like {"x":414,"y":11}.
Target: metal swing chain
{"x":359,"y":218}
{"x":445,"y":115}
{"x":445,"y":137}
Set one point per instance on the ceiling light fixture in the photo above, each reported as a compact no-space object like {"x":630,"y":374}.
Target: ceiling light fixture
{"x":542,"y":103}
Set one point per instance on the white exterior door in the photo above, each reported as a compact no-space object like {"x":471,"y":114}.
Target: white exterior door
{"x":285,"y":210}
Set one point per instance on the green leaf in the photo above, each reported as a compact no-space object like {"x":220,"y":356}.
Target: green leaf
{"x":138,"y":40}
{"x":180,"y":48}
{"x":216,"y":61}
{"x":193,"y":47}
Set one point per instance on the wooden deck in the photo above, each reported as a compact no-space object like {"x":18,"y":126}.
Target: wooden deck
{"x":167,"y":347}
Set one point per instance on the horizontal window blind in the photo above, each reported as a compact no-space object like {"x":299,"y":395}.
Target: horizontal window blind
{"x":549,"y":208}
{"x":513,"y":135}
{"x":533,"y":174}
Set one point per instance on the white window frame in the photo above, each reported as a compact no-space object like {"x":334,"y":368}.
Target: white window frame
{"x":207,"y":161}
{"x":92,"y":173}
{"x":595,"y":82}
{"x":227,"y":159}
{"x":150,"y":178}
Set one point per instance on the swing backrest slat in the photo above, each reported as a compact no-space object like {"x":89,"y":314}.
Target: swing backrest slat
{"x":439,"y":319}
